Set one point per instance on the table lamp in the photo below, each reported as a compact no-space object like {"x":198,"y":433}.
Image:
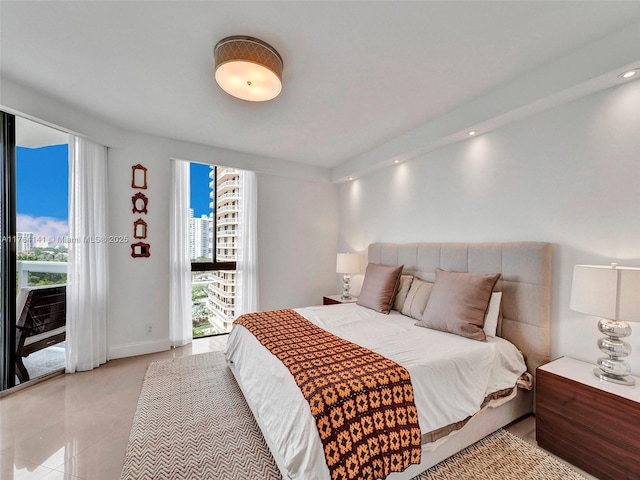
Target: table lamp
{"x":613,"y":293}
{"x":347,"y":263}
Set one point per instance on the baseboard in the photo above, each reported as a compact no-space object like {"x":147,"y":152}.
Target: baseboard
{"x":138,"y":348}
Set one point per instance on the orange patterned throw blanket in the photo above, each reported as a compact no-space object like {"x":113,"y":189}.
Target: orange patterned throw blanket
{"x":362,"y":402}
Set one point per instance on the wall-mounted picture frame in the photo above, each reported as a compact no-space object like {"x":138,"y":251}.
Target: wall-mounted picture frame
{"x":140,"y":249}
{"x":140,"y":229}
{"x":139,"y":201}
{"x":139,"y":177}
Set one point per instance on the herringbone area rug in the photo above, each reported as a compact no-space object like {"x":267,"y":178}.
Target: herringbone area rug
{"x":192,"y":423}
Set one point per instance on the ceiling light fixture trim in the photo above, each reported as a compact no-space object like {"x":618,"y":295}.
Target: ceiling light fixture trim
{"x":248,"y":68}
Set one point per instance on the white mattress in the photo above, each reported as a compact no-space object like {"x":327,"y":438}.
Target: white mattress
{"x":451,"y":375}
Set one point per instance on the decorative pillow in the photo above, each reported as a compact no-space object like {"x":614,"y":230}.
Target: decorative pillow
{"x":459,"y":303}
{"x":491,"y":319}
{"x":401,"y":296}
{"x":379,"y":286}
{"x":417,"y":298}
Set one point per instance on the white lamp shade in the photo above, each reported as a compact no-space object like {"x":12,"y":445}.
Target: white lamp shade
{"x":607,"y":292}
{"x":348,"y":263}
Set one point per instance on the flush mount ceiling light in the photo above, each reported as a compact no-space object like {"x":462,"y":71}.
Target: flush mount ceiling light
{"x":248,"y":68}
{"x":471,"y":133}
{"x":630,"y":73}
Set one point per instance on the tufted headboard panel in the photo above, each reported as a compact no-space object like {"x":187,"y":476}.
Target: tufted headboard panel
{"x":525,"y":282}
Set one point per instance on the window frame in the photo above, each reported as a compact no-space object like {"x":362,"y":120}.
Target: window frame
{"x":8,"y":249}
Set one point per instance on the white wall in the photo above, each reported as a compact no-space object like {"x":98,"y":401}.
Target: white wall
{"x":297,"y":241}
{"x":570,"y":176}
{"x":138,"y":287}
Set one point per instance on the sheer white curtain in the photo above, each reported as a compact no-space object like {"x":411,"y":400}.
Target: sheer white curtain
{"x":247,"y":258}
{"x":88,"y":267}
{"x":180,"y":332}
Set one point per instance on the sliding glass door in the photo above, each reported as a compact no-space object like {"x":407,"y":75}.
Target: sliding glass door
{"x":33,"y":248}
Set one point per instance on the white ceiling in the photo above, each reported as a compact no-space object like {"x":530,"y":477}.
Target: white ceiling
{"x":32,"y":134}
{"x":356,"y":74}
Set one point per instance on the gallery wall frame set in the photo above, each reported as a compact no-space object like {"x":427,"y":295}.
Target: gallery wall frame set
{"x":139,"y":202}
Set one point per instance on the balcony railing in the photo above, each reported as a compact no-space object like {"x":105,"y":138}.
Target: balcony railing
{"x":223,"y":172}
{"x":228,"y":184}
{"x":225,"y":221}
{"x":229,"y":195}
{"x":221,"y":322}
{"x":24,"y":267}
{"x":226,"y":245}
{"x":213,"y":288}
{"x":223,"y":275}
{"x":228,"y":208}
{"x":216,"y":305}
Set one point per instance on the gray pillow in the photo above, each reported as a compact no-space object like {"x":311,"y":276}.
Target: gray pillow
{"x":379,"y":286}
{"x":459,"y":302}
{"x":417,"y":298}
{"x":403,"y":290}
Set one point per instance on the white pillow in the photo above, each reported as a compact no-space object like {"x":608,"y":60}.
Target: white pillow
{"x":403,"y":290}
{"x":493,"y":312}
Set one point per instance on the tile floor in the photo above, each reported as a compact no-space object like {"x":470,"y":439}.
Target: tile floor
{"x":75,"y":427}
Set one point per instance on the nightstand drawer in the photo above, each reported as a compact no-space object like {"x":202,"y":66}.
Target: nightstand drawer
{"x":615,"y":418}
{"x":591,"y":424}
{"x":585,"y":448}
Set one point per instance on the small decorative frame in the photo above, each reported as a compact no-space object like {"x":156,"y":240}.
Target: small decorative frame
{"x":140,"y":229}
{"x":140,"y":249}
{"x":139,"y":201}
{"x":139,"y":177}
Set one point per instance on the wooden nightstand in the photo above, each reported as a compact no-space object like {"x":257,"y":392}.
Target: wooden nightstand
{"x":336,"y":299}
{"x":589,"y":422}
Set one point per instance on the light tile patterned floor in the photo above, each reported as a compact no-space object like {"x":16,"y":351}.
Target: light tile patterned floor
{"x":76,"y":426}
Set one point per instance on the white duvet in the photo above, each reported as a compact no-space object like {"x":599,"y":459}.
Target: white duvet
{"x":451,"y":375}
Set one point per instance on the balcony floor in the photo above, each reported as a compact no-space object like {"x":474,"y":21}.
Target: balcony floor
{"x":45,"y":361}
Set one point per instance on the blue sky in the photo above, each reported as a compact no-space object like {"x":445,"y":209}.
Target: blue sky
{"x":200,"y":189}
{"x":42,"y":180}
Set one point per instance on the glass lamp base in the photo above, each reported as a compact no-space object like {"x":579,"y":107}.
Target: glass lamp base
{"x":608,"y":377}
{"x":346,"y":287}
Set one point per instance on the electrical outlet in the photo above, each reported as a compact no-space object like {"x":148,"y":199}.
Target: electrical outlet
{"x":148,"y":328}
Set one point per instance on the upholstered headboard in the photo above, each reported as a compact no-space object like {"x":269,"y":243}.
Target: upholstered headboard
{"x":525,"y":282}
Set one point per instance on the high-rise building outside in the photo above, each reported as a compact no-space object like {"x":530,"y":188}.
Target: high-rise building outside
{"x":25,"y":242}
{"x":200,"y":244}
{"x":221,"y":295}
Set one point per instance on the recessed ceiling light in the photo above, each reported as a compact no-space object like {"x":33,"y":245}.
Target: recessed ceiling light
{"x":630,"y":73}
{"x":396,"y":161}
{"x":471,"y":133}
{"x":350,"y":178}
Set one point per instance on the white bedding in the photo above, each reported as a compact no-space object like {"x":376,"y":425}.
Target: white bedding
{"x":451,"y":375}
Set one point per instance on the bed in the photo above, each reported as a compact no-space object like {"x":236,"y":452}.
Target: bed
{"x":451,"y":391}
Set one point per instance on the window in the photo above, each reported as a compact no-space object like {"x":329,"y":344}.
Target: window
{"x":213,"y":235}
